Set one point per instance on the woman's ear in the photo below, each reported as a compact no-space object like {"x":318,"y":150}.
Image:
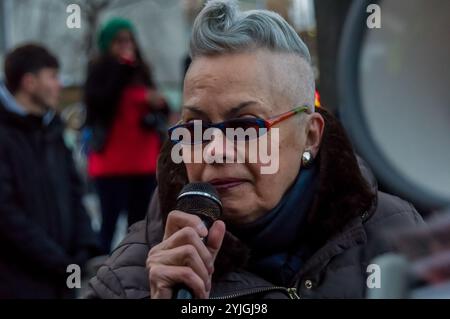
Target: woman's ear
{"x":314,"y":131}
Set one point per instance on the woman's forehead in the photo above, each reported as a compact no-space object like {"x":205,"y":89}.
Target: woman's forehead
{"x":222,"y":73}
{"x":227,"y":83}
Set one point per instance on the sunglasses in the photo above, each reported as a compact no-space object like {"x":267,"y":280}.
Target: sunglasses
{"x":260,"y":127}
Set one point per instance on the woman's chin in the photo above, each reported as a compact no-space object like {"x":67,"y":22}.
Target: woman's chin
{"x":237,"y":213}
{"x":235,"y":201}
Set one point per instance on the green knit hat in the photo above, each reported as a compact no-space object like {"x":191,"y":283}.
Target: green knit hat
{"x":109,"y":31}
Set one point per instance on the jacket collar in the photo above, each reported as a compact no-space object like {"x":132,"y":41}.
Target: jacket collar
{"x":17,"y":113}
{"x":352,"y":234}
{"x":9,"y":102}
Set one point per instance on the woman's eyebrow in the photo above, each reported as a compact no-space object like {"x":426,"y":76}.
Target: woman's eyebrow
{"x":229,"y":114}
{"x":194,"y":109}
{"x":235,"y":110}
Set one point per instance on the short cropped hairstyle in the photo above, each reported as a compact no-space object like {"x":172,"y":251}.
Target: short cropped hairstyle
{"x":29,"y":58}
{"x":221,"y":27}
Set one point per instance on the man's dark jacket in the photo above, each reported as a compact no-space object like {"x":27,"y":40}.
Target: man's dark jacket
{"x":43,"y":225}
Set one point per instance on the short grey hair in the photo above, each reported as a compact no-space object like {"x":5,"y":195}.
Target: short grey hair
{"x":222,"y":28}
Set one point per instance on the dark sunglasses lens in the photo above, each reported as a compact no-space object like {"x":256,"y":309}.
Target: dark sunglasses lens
{"x":185,"y":133}
{"x":242,"y":129}
{"x":246,"y":129}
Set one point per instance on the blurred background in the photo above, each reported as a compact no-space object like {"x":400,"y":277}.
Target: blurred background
{"x":163,"y":33}
{"x":163,"y":30}
{"x":388,"y":84}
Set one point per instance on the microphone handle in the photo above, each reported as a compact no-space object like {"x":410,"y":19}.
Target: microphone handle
{"x":182,"y":292}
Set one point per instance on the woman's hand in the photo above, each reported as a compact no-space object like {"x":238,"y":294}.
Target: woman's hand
{"x":182,"y":257}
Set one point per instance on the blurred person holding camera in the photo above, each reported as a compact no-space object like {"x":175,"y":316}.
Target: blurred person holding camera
{"x":43,"y":224}
{"x":125,"y":118}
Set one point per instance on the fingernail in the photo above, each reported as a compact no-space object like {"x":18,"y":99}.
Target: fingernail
{"x":201,"y":227}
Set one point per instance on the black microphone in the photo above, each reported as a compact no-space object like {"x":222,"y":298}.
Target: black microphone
{"x":199,"y":199}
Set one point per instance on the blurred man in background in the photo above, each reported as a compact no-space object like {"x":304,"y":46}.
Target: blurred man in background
{"x":43,"y":225}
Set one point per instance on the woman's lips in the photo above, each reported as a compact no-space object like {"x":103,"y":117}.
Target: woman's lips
{"x":226,"y":183}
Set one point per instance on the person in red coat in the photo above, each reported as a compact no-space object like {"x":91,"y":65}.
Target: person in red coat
{"x":125,"y":116}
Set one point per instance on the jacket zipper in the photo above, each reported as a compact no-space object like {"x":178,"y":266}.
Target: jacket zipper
{"x":292,"y":292}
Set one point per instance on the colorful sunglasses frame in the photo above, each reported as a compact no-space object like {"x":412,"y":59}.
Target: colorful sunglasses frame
{"x":260,"y":123}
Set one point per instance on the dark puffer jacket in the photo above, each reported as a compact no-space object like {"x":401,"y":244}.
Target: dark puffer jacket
{"x":43,"y":225}
{"x":346,"y":221}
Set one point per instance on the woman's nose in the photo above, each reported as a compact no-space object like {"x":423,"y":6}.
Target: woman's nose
{"x":219,"y":149}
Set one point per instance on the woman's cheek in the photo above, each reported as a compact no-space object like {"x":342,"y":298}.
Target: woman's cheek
{"x":194,"y":172}
{"x":262,"y":183}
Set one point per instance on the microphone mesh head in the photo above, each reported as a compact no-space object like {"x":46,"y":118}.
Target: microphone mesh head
{"x":200,"y":199}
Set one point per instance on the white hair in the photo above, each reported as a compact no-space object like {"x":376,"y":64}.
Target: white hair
{"x":222,"y":28}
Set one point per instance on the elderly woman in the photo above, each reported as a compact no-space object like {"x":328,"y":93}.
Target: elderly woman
{"x":308,"y":230}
